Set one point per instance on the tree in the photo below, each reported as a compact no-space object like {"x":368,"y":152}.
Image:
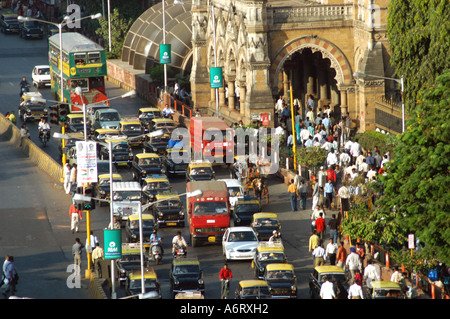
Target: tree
{"x":417,"y":181}
{"x":419,"y":37}
{"x":119,"y":30}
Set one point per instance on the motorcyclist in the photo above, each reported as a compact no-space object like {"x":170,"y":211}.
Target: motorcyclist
{"x":275,"y":238}
{"x":178,"y":242}
{"x":24,"y":86}
{"x":43,"y":125}
{"x":155,"y":238}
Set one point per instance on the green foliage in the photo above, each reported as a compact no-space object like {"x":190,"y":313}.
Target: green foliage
{"x":419,"y":36}
{"x":311,"y":156}
{"x":157,"y":73}
{"x":370,"y":139}
{"x":417,"y":183}
{"x":119,"y":29}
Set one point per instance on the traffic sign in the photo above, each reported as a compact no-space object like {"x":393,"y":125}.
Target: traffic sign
{"x":86,"y":162}
{"x":113,"y":243}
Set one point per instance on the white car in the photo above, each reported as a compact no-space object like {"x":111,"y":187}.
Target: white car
{"x":239,"y":243}
{"x":235,"y":190}
{"x":41,"y":76}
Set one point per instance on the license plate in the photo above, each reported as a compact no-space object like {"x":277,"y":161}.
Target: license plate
{"x":171,"y":224}
{"x":211,"y":239}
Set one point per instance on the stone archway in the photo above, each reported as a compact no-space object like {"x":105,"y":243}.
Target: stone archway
{"x":328,"y":50}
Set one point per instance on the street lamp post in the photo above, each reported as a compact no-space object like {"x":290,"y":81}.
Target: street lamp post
{"x":402,"y":88}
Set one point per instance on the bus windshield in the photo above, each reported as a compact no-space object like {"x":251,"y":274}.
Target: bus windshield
{"x":210,"y":208}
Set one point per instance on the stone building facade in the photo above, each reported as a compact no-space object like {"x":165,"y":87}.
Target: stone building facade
{"x":267,"y":47}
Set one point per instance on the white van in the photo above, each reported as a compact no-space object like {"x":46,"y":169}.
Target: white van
{"x":126,"y":198}
{"x":235,"y":190}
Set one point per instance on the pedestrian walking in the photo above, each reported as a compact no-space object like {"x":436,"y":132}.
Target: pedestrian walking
{"x":370,"y":274}
{"x":67,"y":178}
{"x":292,"y":190}
{"x":329,"y":192}
{"x":320,"y":226}
{"x":225,"y":276}
{"x":13,"y":118}
{"x":24,"y":133}
{"x":319,"y":255}
{"x":360,"y":252}
{"x":315,"y":196}
{"x":341,"y":255}
{"x":396,"y":275}
{"x":10,"y":277}
{"x":75,"y":217}
{"x":333,"y":225}
{"x":97,"y":258}
{"x":327,"y":289}
{"x":355,"y":291}
{"x":76,"y":252}
{"x":303,"y":193}
{"x":331,"y":252}
{"x":313,"y":241}
{"x":73,"y":176}
{"x":93,"y":241}
{"x":353,"y":262}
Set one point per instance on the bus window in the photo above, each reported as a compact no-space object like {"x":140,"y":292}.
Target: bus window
{"x":82,"y":83}
{"x":80,"y":58}
{"x":94,"y":57}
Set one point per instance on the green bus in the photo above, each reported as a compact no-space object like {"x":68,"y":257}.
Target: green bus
{"x":84,"y":66}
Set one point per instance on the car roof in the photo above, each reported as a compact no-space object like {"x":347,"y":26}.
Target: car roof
{"x":279,"y":266}
{"x":156,"y":178}
{"x":240,"y":228}
{"x":385,"y":284}
{"x":126,"y":186}
{"x":146,"y":155}
{"x":107,"y":110}
{"x":148,"y":273}
{"x":42,"y":66}
{"x":107,"y":176}
{"x":136,"y":216}
{"x":130,"y":121}
{"x":231,"y":182}
{"x":107,"y":130}
{"x":149,"y":109}
{"x":167,"y":195}
{"x":329,"y":269}
{"x":200,"y":164}
{"x":252,"y":282}
{"x":131,"y":248}
{"x":264,"y":215}
{"x":116,"y":139}
{"x":270,"y":246}
{"x":185,"y":261}
{"x":163,"y":120}
{"x":75,"y":115}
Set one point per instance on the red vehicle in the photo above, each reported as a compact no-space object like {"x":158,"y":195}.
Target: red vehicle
{"x":209,"y":215}
{"x":211,"y":137}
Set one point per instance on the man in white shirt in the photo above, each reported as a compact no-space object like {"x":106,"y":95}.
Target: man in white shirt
{"x":327,"y":289}
{"x":319,"y":254}
{"x":353,"y":262}
{"x":355,"y":292}
{"x":371,"y":273}
{"x":355,"y":150}
{"x":304,"y":135}
{"x":331,"y":251}
{"x":344,"y":159}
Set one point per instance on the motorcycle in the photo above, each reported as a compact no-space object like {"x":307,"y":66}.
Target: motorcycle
{"x":24,"y":89}
{"x":155,"y":252}
{"x":180,"y":252}
{"x":44,"y":136}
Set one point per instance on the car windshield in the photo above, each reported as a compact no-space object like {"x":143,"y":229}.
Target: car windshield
{"x":201,"y":171}
{"x":44,"y":71}
{"x":149,"y":161}
{"x":266,"y":256}
{"x":130,"y":259}
{"x":121,"y":147}
{"x":146,"y":223}
{"x":186,"y":269}
{"x":266,"y":222}
{"x":242,"y":236}
{"x":387,"y":293}
{"x":247,"y":208}
{"x":34,"y":104}
{"x":32,"y":24}
{"x":170,"y":203}
{"x":132,"y":127}
{"x":109,"y":116}
{"x":151,"y":114}
{"x":157,"y":185}
{"x":105,"y":181}
{"x":148,"y":282}
{"x":77,"y":120}
{"x":332,"y":277}
{"x":210,"y":208}
{"x":12,"y":20}
{"x":280,"y":274}
{"x":255,"y":291}
{"x":235,"y":191}
{"x":127,"y":195}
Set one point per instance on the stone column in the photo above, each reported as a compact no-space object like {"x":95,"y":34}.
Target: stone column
{"x":242,"y":93}
{"x":231,"y":95}
{"x":343,"y":101}
{"x":285,"y":85}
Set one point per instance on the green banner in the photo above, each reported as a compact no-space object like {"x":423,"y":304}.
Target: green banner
{"x":216,"y":77}
{"x":165,"y":54}
{"x":113,"y":243}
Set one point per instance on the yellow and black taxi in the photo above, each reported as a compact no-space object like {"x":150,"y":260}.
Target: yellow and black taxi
{"x":169,"y":210}
{"x":31,"y":30}
{"x":186,"y":276}
{"x":145,"y":165}
{"x":130,"y":260}
{"x":75,"y":123}
{"x":101,"y":134}
{"x":132,"y":228}
{"x":244,"y":209}
{"x":267,"y":253}
{"x":282,"y":280}
{"x":335,"y":274}
{"x":384,"y":290}
{"x":153,"y":185}
{"x":102,"y":187}
{"x":122,"y":154}
{"x":252,"y":289}
{"x":167,"y":125}
{"x":133,"y":130}
{"x":176,"y":161}
{"x":200,"y":171}
{"x":32,"y":107}
{"x":152,"y":286}
{"x":156,"y":144}
{"x":146,"y":114}
{"x":9,"y":23}
{"x":264,"y":224}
